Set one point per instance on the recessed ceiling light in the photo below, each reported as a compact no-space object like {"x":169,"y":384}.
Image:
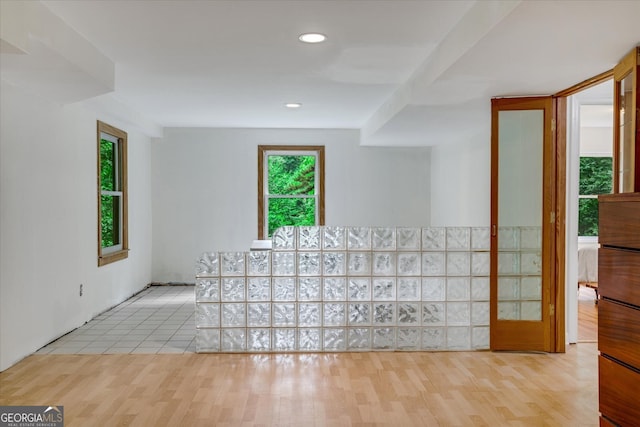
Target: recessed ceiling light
{"x":293,"y":105}
{"x":312,"y":38}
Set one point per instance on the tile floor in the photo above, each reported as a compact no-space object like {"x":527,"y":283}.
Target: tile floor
{"x":160,"y":319}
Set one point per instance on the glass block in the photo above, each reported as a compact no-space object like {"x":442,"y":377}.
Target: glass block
{"x":309,"y":289}
{"x":433,"y":313}
{"x":284,"y":289}
{"x":207,"y":315}
{"x":408,"y":313}
{"x":433,"y":264}
{"x":458,"y":289}
{"x":309,"y":238}
{"x":508,"y":288}
{"x":359,"y":263}
{"x":284,"y":339}
{"x":383,"y":238}
{"x":480,"y":263}
{"x":433,"y":289}
{"x":259,"y":314}
{"x":384,"y":338}
{"x":480,"y":313}
{"x":458,"y":263}
{"x":334,"y":314}
{"x":334,"y":239}
{"x":309,"y":314}
{"x":480,"y":289}
{"x":359,"y":238}
{"x":409,"y":288}
{"x":359,"y":339}
{"x":259,"y":339}
{"x":408,"y":239}
{"x":233,"y":289}
{"x":335,"y":339}
{"x":530,"y":310}
{"x":359,"y":313}
{"x":480,"y":238}
{"x":207,"y":340}
{"x":232,"y":263}
{"x":409,"y":264}
{"x":384,"y":289}
{"x":207,"y":290}
{"x":335,"y":289}
{"x":284,"y":263}
{"x":458,"y":338}
{"x":334,"y":263}
{"x":508,"y":263}
{"x":284,"y":314}
{"x":530,"y":238}
{"x":433,"y":339}
{"x":458,"y":314}
{"x":309,"y":340}
{"x":259,"y":263}
{"x":384,"y":263}
{"x":309,"y":263}
{"x":458,"y":238}
{"x":359,"y":289}
{"x":530,"y":263}
{"x":480,"y":338}
{"x":408,"y":338}
{"x":208,"y":264}
{"x":233,"y":314}
{"x":530,"y":288}
{"x":284,"y":238}
{"x":233,"y":340}
{"x":258,"y":289}
{"x":384,"y":313}
{"x":508,"y":238}
{"x":508,"y":310}
{"x":433,"y":239}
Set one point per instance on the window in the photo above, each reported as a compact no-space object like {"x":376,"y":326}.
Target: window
{"x":112,"y":194}
{"x":596,"y":177}
{"x":290,"y":187}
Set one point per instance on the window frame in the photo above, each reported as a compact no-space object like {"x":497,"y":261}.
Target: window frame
{"x":263,"y":192}
{"x":581,"y":196}
{"x":108,"y":255}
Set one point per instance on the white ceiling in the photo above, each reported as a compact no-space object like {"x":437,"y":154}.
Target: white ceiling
{"x":403,"y":72}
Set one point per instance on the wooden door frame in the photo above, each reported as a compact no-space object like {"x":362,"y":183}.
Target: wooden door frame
{"x":553,"y":205}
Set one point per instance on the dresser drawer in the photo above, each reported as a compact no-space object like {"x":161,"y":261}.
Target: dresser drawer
{"x":619,"y":223}
{"x":619,"y":332}
{"x":619,"y":275}
{"x":618,"y":392}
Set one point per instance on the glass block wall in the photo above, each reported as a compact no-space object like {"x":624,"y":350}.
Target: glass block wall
{"x":348,"y":289}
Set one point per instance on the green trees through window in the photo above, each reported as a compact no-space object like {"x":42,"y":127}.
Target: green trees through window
{"x":112,"y":194}
{"x":596,"y":177}
{"x":290,"y":187}
{"x":291,"y":176}
{"x":109,"y":197}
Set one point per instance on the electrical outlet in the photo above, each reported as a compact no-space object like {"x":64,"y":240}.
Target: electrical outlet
{"x":80,"y":289}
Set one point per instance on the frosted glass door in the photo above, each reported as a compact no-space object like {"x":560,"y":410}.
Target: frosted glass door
{"x":522,"y":219}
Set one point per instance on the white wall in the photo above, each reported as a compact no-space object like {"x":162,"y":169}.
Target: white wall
{"x":48,"y":235}
{"x":205,"y":189}
{"x":461,"y":184}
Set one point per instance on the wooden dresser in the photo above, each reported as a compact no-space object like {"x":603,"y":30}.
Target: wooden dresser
{"x":619,"y":309}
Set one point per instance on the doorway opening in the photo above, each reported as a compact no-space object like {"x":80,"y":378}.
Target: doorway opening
{"x":589,"y":173}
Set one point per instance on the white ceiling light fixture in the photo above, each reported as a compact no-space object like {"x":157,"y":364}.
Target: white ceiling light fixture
{"x":293,"y":105}
{"x":312,"y":38}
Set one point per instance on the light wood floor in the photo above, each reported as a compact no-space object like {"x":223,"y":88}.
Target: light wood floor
{"x":347,"y":389}
{"x":587,"y":315}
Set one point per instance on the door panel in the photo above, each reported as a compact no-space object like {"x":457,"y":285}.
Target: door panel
{"x":522,"y":217}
